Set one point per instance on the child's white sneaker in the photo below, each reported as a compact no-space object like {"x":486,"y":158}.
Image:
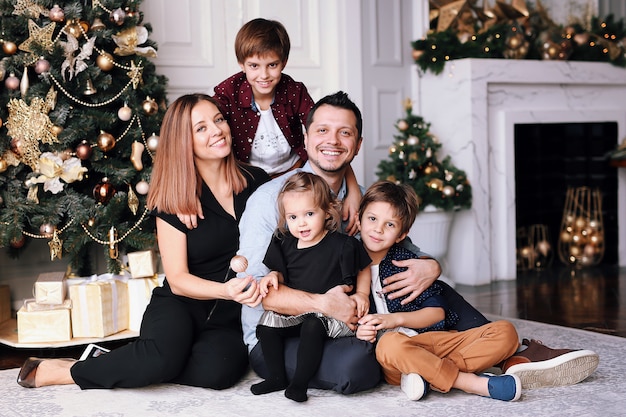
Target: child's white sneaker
{"x":413,"y":386}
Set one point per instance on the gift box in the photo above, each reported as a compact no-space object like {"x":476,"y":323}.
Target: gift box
{"x":99,"y":306}
{"x":38,"y":323}
{"x":139,"y":294}
{"x":50,"y":288}
{"x":142,"y":264}
{"x":5,"y":303}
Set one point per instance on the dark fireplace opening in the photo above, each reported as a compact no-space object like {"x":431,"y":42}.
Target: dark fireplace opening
{"x":549,"y":158}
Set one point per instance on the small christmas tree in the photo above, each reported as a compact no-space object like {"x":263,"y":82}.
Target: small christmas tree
{"x":80,"y":110}
{"x":413,"y":160}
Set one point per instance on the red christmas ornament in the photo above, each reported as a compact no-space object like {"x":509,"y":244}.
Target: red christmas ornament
{"x":103,"y":192}
{"x":18,"y":242}
{"x":83,"y":151}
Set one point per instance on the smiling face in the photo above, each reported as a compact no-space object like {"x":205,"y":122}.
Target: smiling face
{"x":381,"y":228}
{"x":263,"y":73}
{"x":304,"y":218}
{"x":210,"y":131}
{"x":332,"y":140}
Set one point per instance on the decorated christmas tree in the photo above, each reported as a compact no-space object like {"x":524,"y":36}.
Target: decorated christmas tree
{"x":80,"y":107}
{"x":413,"y":160}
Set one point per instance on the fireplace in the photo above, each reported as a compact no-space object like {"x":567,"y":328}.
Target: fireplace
{"x":474,"y":107}
{"x":549,"y":158}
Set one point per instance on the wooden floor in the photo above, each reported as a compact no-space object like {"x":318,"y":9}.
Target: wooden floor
{"x":587,"y":299}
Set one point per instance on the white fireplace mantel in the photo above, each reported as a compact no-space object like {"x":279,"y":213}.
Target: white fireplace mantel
{"x":473,"y":106}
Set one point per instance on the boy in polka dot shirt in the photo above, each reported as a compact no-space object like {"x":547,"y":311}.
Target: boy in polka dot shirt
{"x":414,"y":346}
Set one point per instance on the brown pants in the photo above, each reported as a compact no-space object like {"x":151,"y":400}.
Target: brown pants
{"x":438,"y":357}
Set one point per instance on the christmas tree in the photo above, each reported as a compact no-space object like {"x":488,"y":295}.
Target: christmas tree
{"x":80,"y":109}
{"x":413,"y":160}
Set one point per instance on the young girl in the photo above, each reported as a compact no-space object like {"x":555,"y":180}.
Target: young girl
{"x":409,"y":351}
{"x":310,"y":255}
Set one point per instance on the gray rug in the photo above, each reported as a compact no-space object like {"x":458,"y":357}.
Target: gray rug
{"x":602,"y":394}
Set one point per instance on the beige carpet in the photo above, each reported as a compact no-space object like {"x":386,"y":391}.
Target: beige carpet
{"x":602,"y":394}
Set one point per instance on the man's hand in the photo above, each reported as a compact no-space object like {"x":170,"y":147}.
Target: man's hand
{"x":337,"y":304}
{"x":421,"y":273}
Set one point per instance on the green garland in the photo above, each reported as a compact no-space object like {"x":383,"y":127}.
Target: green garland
{"x":603,"y":42}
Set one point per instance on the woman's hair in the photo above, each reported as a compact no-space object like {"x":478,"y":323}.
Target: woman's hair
{"x":175,"y":184}
{"x":323,"y":197}
{"x":401,"y":197}
{"x":260,"y":37}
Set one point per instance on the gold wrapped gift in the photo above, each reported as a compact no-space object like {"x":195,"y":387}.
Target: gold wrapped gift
{"x":50,"y":288}
{"x":142,"y":264}
{"x":43,"y":325}
{"x":99,"y":306}
{"x":139,"y":294}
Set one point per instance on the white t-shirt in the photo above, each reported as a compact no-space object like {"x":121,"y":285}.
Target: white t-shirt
{"x":270,"y":149}
{"x":381,"y":305}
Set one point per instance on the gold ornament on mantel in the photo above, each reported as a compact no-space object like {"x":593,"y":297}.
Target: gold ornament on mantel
{"x":581,"y":239}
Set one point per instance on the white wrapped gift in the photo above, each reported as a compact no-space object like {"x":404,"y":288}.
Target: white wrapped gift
{"x":139,"y":294}
{"x":50,"y":288}
{"x":99,"y":305}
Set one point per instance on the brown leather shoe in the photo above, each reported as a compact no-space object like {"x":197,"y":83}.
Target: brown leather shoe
{"x":539,"y":366}
{"x":26,"y":377}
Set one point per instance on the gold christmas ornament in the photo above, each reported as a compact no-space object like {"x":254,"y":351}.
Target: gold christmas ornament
{"x":403,"y":125}
{"x":448,"y":191}
{"x":128,"y":42}
{"x":56,"y":246}
{"x":149,"y":106}
{"x":18,"y":242}
{"x":135,"y":156}
{"x":133,"y":201}
{"x":73,"y":29}
{"x":31,"y":125}
{"x":41,"y":36}
{"x":97,"y":24}
{"x":113,"y":243}
{"x":89,"y":88}
{"x":56,"y":130}
{"x":581,"y":241}
{"x":106,"y":141}
{"x":4,"y":165}
{"x":9,"y":48}
{"x":104,"y":61}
